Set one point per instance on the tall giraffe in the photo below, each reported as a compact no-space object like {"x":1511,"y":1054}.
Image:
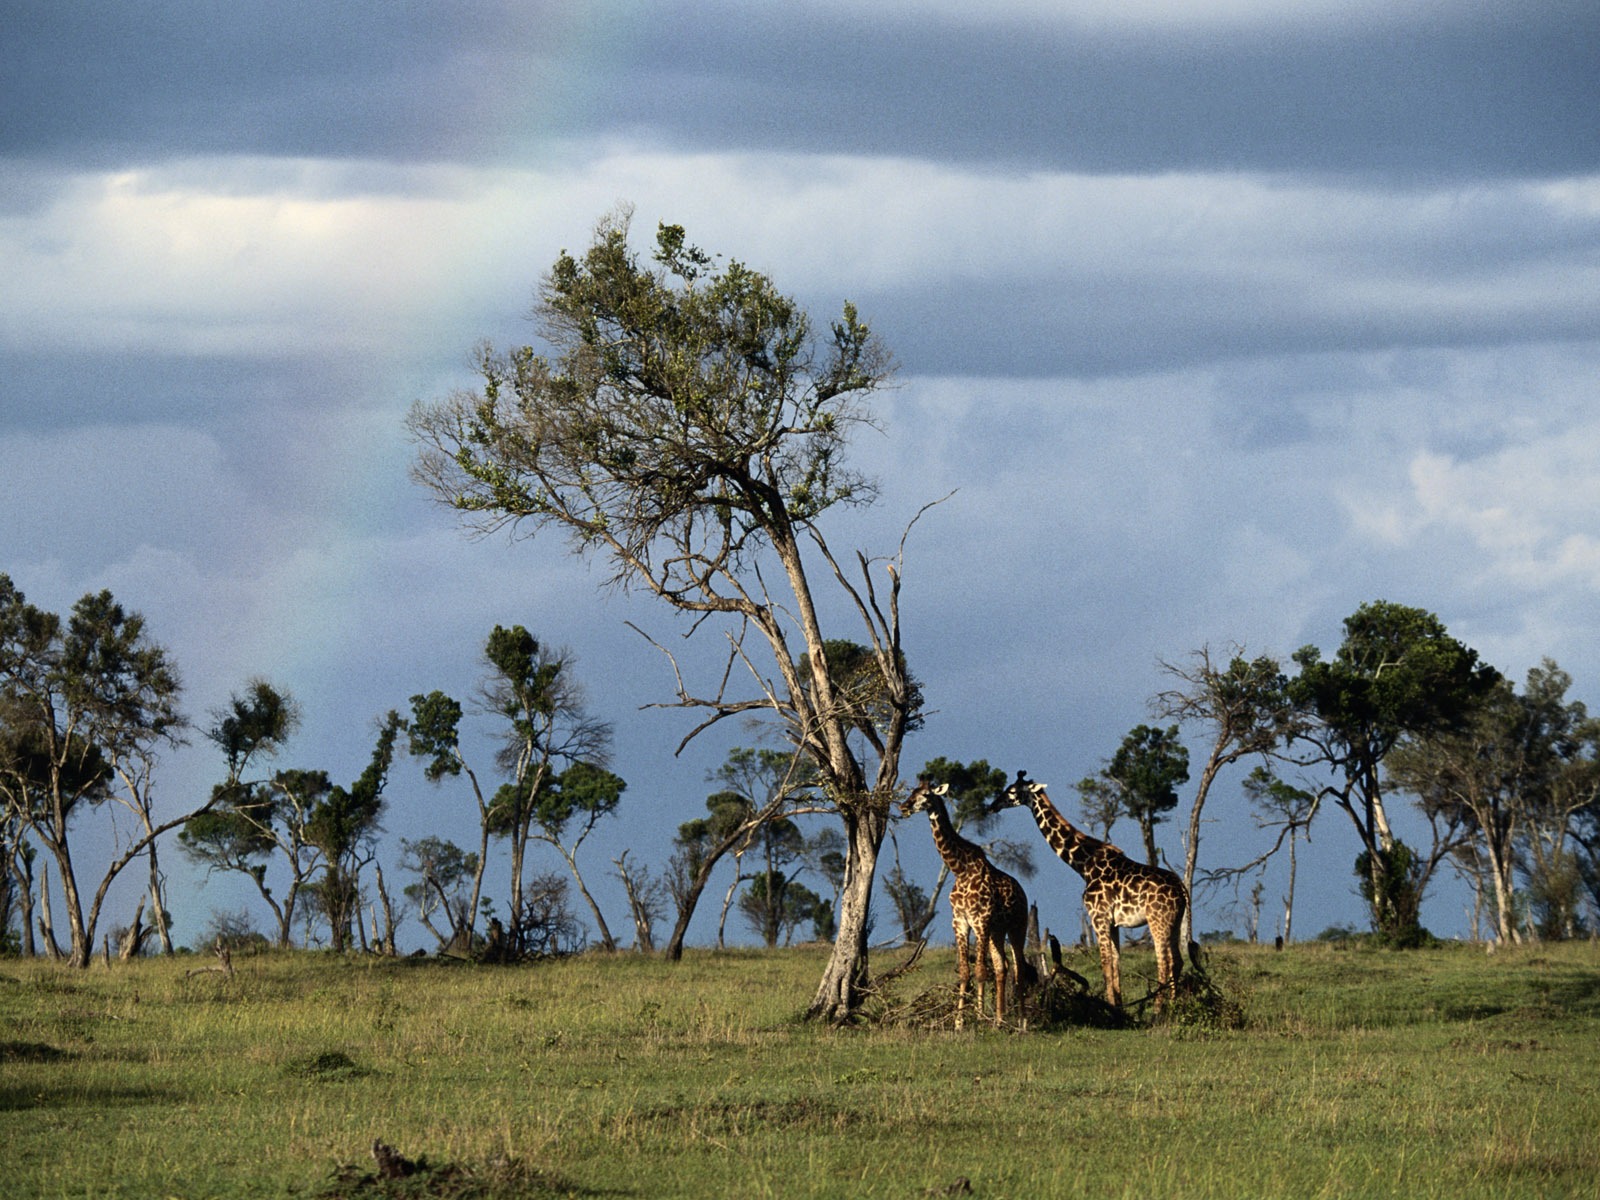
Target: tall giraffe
{"x":1118,"y":891}
{"x":984,"y":901}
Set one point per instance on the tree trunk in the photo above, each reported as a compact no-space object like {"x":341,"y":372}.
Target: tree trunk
{"x":82,"y":949}
{"x":47,"y":929}
{"x":1191,"y":843}
{"x":30,"y":948}
{"x":1501,"y":867}
{"x":643,"y":934}
{"x":387,"y":943}
{"x":607,"y":942}
{"x":1288,"y":903}
{"x":133,"y":940}
{"x":158,"y":910}
{"x":727,"y":901}
{"x":1148,"y":830}
{"x":844,"y":980}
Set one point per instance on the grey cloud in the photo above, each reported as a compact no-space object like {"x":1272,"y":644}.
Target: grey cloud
{"x":106,"y":83}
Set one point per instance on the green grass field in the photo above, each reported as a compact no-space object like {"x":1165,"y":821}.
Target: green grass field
{"x":1355,"y":1072}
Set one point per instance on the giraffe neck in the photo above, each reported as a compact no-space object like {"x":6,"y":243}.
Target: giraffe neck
{"x":958,"y":853}
{"x":1069,"y":842}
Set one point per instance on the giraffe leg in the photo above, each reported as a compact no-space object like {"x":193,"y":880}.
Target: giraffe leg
{"x":981,"y":963}
{"x":997,"y":951}
{"x":962,"y":970}
{"x":1110,"y":960}
{"x":1161,"y":939}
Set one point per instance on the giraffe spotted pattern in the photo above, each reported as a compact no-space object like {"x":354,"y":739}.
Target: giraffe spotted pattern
{"x":985,"y":903}
{"x":1118,"y":892}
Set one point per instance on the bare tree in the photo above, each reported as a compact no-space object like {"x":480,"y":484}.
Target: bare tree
{"x":1246,"y":706}
{"x":691,"y":430}
{"x":646,"y":900}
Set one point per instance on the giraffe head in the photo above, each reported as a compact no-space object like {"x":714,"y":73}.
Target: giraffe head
{"x":921,"y":796}
{"x":1018,"y":794}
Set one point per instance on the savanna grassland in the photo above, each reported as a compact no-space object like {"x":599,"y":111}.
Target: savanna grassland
{"x":1327,"y":1072}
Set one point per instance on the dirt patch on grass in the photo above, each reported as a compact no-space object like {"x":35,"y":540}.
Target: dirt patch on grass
{"x":33,"y":1052}
{"x":395,"y":1176}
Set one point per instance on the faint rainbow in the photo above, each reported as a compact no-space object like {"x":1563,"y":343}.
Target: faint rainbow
{"x":311,"y":617}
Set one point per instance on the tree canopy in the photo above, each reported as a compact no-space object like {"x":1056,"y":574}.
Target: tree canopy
{"x":689,"y":427}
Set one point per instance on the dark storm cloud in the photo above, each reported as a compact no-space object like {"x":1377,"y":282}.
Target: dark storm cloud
{"x":1478,"y":95}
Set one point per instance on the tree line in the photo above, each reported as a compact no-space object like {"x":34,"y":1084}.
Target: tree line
{"x":1507,"y":781}
{"x":687,"y":426}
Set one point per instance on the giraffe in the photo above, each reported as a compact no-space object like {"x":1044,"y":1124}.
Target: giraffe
{"x":1118,"y":892}
{"x":984,"y":901}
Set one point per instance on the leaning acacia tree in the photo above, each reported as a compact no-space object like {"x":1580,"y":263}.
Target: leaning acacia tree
{"x":690,"y":429}
{"x":86,"y":706}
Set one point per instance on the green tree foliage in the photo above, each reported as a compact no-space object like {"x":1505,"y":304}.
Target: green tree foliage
{"x":1142,"y":779}
{"x":85,"y":707}
{"x":434,"y":735}
{"x":553,"y":754}
{"x":1398,"y":673}
{"x":343,"y":824}
{"x":238,"y":833}
{"x":690,"y":429}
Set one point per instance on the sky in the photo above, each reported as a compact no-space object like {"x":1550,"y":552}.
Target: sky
{"x":1214,"y":321}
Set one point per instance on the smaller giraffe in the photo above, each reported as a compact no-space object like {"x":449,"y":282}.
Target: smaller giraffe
{"x":984,"y":902}
{"x":1118,"y":892}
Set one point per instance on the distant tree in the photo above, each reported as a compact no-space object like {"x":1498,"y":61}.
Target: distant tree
{"x":912,"y":904}
{"x":343,"y":825}
{"x":757,"y":786}
{"x":765,"y":904}
{"x":699,"y":846}
{"x":1398,"y":673}
{"x":1101,"y":803}
{"x":85,"y":709}
{"x":434,"y":734}
{"x":646,"y":900}
{"x":1500,"y":769}
{"x":1245,"y":705}
{"x":445,"y":874}
{"x":562,"y":811}
{"x":545,"y":924}
{"x":280,"y":811}
{"x":236,"y":833}
{"x":1288,"y":809}
{"x":1550,"y":851}
{"x":232,"y":930}
{"x":691,"y":431}
{"x":554,"y":754}
{"x":825,"y":856}
{"x":775,"y":905}
{"x":1141,"y":781}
